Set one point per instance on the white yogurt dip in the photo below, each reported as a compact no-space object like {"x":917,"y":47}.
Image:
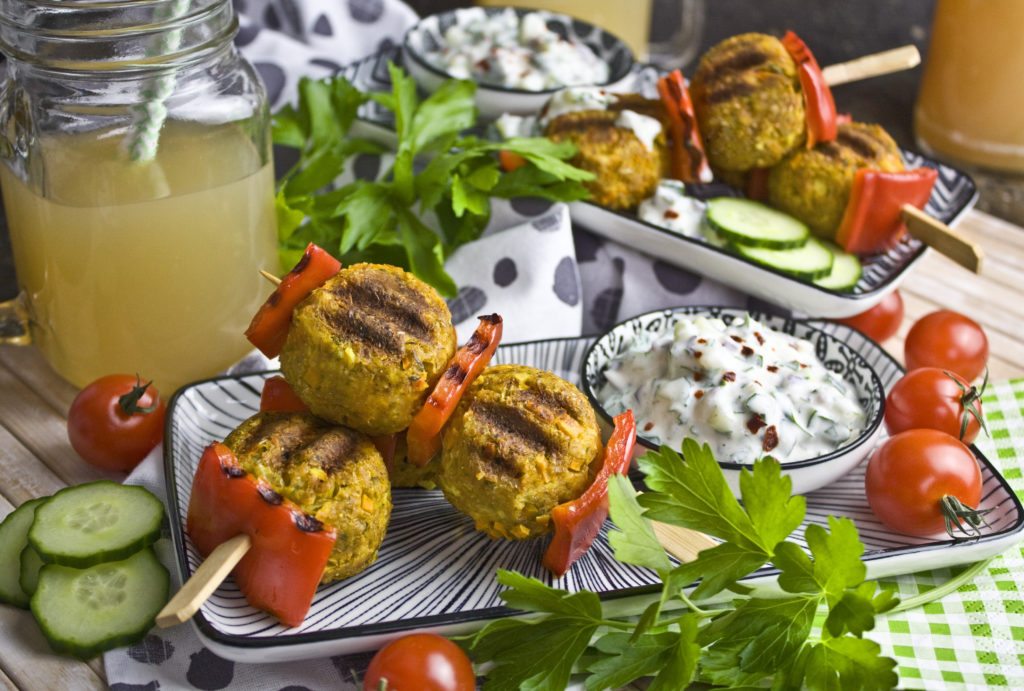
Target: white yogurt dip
{"x":582,"y":98}
{"x":744,"y":389}
{"x":670,"y":208}
{"x":501,"y":50}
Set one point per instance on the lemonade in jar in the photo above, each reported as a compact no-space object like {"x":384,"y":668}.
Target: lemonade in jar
{"x":137,"y":180}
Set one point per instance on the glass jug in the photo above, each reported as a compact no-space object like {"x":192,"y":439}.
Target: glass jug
{"x":138,"y":185}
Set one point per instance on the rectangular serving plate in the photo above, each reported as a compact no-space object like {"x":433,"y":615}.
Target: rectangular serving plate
{"x":954,"y":194}
{"x":435,"y":572}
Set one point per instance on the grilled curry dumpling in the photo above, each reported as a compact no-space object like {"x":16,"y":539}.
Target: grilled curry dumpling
{"x":521,"y":441}
{"x":332,"y":473}
{"x":365,"y":349}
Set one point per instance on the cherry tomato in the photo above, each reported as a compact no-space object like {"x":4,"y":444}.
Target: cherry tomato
{"x":936,"y":399}
{"x":115,"y":421}
{"x":882,"y":321}
{"x":948,"y":340}
{"x":420,"y":662}
{"x":910,"y":473}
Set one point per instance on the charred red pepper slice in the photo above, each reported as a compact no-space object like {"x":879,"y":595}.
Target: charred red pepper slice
{"x":423,"y":437}
{"x":872,"y":221}
{"x":757,"y":184}
{"x":819,"y":106}
{"x":280,"y":572}
{"x":578,"y":522}
{"x":278,"y":395}
{"x":689,"y":162}
{"x":269,"y":326}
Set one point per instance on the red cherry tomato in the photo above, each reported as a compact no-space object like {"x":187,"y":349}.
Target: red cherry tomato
{"x":910,"y":473}
{"x":115,"y":421}
{"x":947,"y":340}
{"x":882,"y":321}
{"x":420,"y":662}
{"x":936,"y":399}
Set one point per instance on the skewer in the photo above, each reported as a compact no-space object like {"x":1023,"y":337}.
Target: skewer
{"x":942,"y":238}
{"x":682,"y":543}
{"x":873,"y":65}
{"x":270,"y":277}
{"x":214,"y":569}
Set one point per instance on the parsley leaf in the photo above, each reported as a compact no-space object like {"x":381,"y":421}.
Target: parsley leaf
{"x":435,"y":197}
{"x":786,"y":640}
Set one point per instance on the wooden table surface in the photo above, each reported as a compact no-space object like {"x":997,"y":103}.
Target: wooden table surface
{"x":36,"y":459}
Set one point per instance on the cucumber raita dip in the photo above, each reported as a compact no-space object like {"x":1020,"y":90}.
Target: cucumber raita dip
{"x":502,"y":50}
{"x":669,"y":207}
{"x":744,"y":389}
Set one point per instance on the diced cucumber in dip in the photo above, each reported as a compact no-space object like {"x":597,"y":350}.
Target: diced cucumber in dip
{"x":501,"y":49}
{"x":744,"y":389}
{"x":670,"y":208}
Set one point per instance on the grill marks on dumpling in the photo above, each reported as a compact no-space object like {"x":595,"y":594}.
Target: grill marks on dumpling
{"x":378,"y":311}
{"x":285,"y":442}
{"x":857,"y":143}
{"x":526,"y":424}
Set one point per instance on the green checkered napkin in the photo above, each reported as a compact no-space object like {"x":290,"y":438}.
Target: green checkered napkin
{"x":972,"y":638}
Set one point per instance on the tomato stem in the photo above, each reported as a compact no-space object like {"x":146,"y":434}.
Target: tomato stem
{"x":956,"y":514}
{"x":129,"y":402}
{"x":967,"y":399}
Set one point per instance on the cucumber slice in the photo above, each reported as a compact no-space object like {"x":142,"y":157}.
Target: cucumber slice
{"x":95,"y":522}
{"x":13,"y":539}
{"x":753,"y":224}
{"x":811,"y":261}
{"x":31,"y":563}
{"x":87,"y":611}
{"x":846,"y":269}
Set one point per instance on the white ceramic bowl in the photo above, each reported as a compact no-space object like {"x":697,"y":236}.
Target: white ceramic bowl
{"x":427,"y":37}
{"x":843,"y":350}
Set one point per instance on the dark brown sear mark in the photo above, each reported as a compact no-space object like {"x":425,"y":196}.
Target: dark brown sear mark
{"x":730,"y":90}
{"x":732,"y":63}
{"x":306,"y":523}
{"x":269,"y":494}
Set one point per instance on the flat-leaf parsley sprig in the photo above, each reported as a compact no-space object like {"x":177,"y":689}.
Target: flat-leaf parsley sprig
{"x":750,"y":639}
{"x":436,"y":195}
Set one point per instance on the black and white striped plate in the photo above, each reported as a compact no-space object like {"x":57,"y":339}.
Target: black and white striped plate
{"x":953,"y":195}
{"x":435,"y":572}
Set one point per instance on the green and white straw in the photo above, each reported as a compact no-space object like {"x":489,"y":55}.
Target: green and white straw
{"x":148,"y":116}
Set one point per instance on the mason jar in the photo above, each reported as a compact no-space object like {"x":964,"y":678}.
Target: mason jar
{"x":138,"y":185}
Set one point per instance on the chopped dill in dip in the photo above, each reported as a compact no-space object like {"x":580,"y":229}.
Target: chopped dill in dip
{"x":500,"y":49}
{"x":744,"y":389}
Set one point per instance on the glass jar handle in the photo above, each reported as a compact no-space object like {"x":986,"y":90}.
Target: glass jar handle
{"x":14,"y":322}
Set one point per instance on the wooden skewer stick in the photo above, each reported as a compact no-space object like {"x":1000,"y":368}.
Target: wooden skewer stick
{"x":682,"y":543}
{"x":874,"y":65}
{"x":942,"y":238}
{"x":214,"y":569}
{"x":270,"y":277}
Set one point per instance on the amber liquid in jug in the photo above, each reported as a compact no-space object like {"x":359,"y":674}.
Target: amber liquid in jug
{"x":970,"y":107}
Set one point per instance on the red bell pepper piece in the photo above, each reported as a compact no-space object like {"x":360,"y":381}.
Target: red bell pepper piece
{"x":284,"y":564}
{"x":278,"y":395}
{"x":510,"y":160}
{"x":819,"y":106}
{"x":757,"y":184}
{"x":578,"y":522}
{"x":423,"y":437}
{"x":269,"y":326}
{"x":688,"y":161}
{"x":872,"y":220}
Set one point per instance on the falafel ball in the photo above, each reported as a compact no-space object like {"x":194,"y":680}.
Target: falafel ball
{"x":333,"y":473}
{"x":625,"y":170}
{"x":520,"y":442}
{"x":814,"y":185}
{"x":748,"y":102}
{"x":365,"y":349}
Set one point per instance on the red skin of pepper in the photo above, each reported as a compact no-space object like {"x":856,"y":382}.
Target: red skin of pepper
{"x":269,"y":326}
{"x":872,"y":220}
{"x":280,"y":572}
{"x":578,"y":522}
{"x":278,"y":395}
{"x":424,"y":434}
{"x":689,"y":162}
{"x":819,"y":106}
